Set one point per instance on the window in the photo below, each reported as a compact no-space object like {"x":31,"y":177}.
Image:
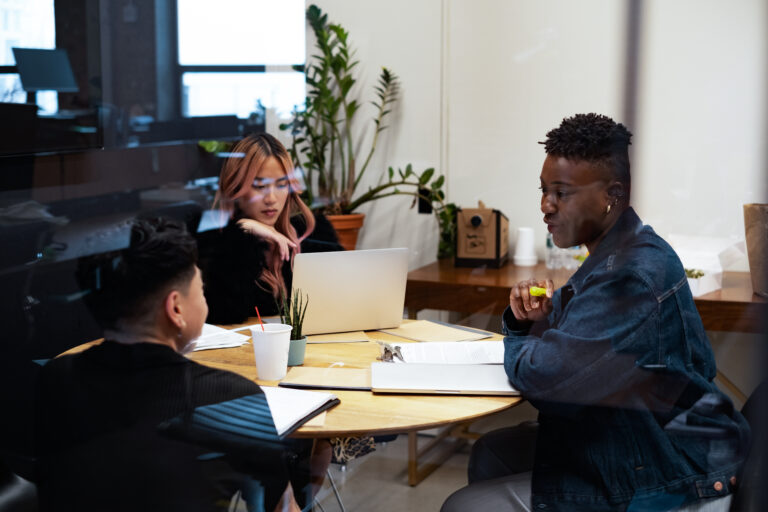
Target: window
{"x":246,"y":58}
{"x":25,"y":24}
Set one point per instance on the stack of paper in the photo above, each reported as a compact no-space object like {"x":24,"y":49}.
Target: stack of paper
{"x":444,"y":367}
{"x":216,"y":337}
{"x":441,"y":379}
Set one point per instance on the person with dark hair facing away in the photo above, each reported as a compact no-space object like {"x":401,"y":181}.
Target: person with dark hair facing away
{"x":115,"y":425}
{"x":617,"y":361}
{"x":249,"y":262}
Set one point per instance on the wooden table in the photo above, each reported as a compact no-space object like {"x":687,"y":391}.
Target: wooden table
{"x":440,"y":285}
{"x":363,"y":413}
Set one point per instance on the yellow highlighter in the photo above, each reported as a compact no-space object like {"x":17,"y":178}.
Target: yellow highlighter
{"x":537,"y":291}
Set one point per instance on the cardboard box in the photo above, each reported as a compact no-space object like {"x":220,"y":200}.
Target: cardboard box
{"x":756,"y":232}
{"x":710,"y":255}
{"x":482,"y":237}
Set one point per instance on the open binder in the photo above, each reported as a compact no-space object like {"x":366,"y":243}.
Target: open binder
{"x":441,"y":379}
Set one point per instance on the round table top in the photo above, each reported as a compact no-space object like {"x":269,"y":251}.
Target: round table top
{"x":363,"y":412}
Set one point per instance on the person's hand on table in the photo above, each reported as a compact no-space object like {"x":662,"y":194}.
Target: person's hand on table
{"x":527,"y":307}
{"x":254,"y":227}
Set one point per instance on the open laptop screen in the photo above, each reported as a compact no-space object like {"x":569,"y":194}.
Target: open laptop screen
{"x":352,"y":290}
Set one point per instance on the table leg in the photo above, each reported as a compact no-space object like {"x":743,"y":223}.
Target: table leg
{"x":728,"y":383}
{"x":460,"y":434}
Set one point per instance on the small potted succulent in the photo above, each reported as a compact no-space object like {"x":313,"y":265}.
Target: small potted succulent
{"x":292,"y":313}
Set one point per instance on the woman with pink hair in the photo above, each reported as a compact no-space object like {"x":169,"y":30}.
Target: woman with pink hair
{"x":249,"y":262}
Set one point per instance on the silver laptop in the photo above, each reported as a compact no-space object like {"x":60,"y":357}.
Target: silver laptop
{"x":352,"y":290}
{"x":441,"y":379}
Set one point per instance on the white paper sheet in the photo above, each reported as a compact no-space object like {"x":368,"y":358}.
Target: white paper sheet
{"x":216,"y":337}
{"x":453,"y":352}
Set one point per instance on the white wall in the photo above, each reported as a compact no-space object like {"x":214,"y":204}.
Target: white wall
{"x":515,"y":69}
{"x":409,"y":45}
{"x":483,"y":81}
{"x":701,"y":142}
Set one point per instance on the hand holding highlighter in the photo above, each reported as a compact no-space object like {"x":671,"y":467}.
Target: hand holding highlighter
{"x":530,"y":300}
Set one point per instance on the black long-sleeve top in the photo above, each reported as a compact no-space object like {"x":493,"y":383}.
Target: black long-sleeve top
{"x":232,"y":261}
{"x":101,"y":443}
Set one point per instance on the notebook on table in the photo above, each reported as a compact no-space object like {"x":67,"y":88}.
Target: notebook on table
{"x":291,"y":408}
{"x":247,"y":421}
{"x":425,"y":330}
{"x":355,"y":379}
{"x":352,"y":290}
{"x":441,"y":379}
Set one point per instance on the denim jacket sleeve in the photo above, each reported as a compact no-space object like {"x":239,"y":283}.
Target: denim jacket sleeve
{"x":588,"y":353}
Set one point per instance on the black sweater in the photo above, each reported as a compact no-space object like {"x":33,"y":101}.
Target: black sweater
{"x":232,"y":261}
{"x":100,"y":442}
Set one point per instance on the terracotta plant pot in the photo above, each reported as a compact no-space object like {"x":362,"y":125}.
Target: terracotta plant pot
{"x":347,"y":227}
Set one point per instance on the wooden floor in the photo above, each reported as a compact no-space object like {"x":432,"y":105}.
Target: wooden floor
{"x":379,"y":481}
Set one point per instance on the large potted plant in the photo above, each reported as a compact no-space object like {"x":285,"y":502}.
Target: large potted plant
{"x":328,"y":146}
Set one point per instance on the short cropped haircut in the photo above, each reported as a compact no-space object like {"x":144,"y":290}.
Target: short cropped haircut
{"x":128,"y":285}
{"x":592,"y":138}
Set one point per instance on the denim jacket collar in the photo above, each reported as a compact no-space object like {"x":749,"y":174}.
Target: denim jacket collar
{"x":627,"y":226}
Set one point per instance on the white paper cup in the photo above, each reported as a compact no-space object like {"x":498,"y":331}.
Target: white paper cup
{"x":270,"y":349}
{"x":525,"y":254}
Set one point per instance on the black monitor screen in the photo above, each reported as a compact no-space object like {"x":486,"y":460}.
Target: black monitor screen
{"x":27,"y":131}
{"x":44,"y":70}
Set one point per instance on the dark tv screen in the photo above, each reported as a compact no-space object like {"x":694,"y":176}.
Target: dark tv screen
{"x":27,"y":131}
{"x":45,"y":70}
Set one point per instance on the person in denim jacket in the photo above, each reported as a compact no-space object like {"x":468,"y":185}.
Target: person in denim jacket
{"x":616,"y":361}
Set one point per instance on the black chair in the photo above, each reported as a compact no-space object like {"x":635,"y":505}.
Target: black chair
{"x":188,"y":212}
{"x":752,"y":494}
{"x":16,"y":494}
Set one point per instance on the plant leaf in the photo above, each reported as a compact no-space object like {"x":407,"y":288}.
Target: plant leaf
{"x":425,"y":176}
